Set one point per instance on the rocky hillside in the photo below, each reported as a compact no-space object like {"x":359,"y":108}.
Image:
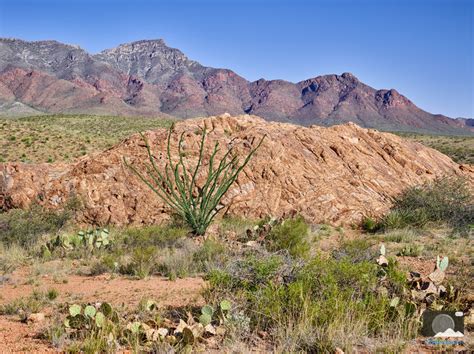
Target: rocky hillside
{"x":337,"y":174}
{"x":149,"y":78}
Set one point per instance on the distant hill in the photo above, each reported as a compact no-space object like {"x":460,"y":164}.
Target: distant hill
{"x":149,"y":78}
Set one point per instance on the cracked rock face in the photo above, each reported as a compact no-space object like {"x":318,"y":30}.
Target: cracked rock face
{"x":337,"y":174}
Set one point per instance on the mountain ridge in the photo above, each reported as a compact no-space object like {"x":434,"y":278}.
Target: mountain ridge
{"x":147,"y":77}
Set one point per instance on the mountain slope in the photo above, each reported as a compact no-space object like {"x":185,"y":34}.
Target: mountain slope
{"x":149,"y":78}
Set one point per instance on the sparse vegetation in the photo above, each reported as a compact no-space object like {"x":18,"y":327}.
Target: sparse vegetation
{"x":11,"y":257}
{"x":57,"y":138}
{"x":24,"y":227}
{"x":459,"y":148}
{"x":443,"y":201}
{"x":25,"y":306}
{"x":309,"y":306}
{"x":290,"y":235}
{"x":292,"y":299}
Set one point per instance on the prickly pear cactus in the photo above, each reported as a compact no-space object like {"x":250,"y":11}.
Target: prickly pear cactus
{"x":443,"y":264}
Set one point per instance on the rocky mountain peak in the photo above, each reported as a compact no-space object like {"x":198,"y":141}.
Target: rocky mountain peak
{"x":57,"y":59}
{"x":142,"y":46}
{"x":148,"y":77}
{"x":349,"y":76}
{"x":392,"y":98}
{"x":150,"y":59}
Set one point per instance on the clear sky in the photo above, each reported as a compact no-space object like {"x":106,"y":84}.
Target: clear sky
{"x":423,"y":48}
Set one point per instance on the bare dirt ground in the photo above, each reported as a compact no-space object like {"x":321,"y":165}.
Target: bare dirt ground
{"x":16,"y":336}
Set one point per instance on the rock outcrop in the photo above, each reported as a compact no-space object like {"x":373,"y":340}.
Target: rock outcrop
{"x":337,"y":174}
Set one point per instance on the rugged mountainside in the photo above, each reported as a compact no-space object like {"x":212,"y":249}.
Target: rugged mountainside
{"x":336,"y":174}
{"x":149,"y":78}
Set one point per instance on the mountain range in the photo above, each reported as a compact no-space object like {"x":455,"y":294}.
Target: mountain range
{"x":148,"y":78}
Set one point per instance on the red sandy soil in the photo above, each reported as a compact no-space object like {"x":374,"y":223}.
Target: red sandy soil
{"x":16,"y":336}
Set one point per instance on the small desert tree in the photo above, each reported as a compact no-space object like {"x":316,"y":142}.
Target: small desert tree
{"x":177,"y":184}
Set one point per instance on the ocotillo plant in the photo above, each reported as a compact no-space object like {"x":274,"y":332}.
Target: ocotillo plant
{"x":177,"y":184}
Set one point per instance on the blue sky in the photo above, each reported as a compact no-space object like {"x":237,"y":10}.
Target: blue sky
{"x":423,"y":48}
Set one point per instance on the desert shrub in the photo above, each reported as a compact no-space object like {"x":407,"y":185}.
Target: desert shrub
{"x":252,"y":271}
{"x":209,"y":254}
{"x":356,"y":250}
{"x":103,"y":265}
{"x":370,"y":225}
{"x":445,"y":200}
{"x":410,"y":251}
{"x":153,"y":235}
{"x":290,"y":235}
{"x":188,"y":259}
{"x":401,"y":219}
{"x":24,"y":227}
{"x":27,"y":305}
{"x":314,"y":305}
{"x":162,"y":250}
{"x":397,"y":219}
{"x":139,"y":251}
{"x":11,"y":257}
{"x":177,"y":262}
{"x":142,"y":262}
{"x":235,"y":225}
{"x":177,"y":184}
{"x":399,"y":235}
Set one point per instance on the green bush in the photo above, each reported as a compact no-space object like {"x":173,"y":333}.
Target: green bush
{"x":290,"y":235}
{"x":446,"y":200}
{"x":314,"y":306}
{"x":210,"y":253}
{"x":370,"y":225}
{"x":142,"y":263}
{"x":11,"y":257}
{"x":25,"y":227}
{"x":443,"y":201}
{"x":154,"y":235}
{"x":356,"y":250}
